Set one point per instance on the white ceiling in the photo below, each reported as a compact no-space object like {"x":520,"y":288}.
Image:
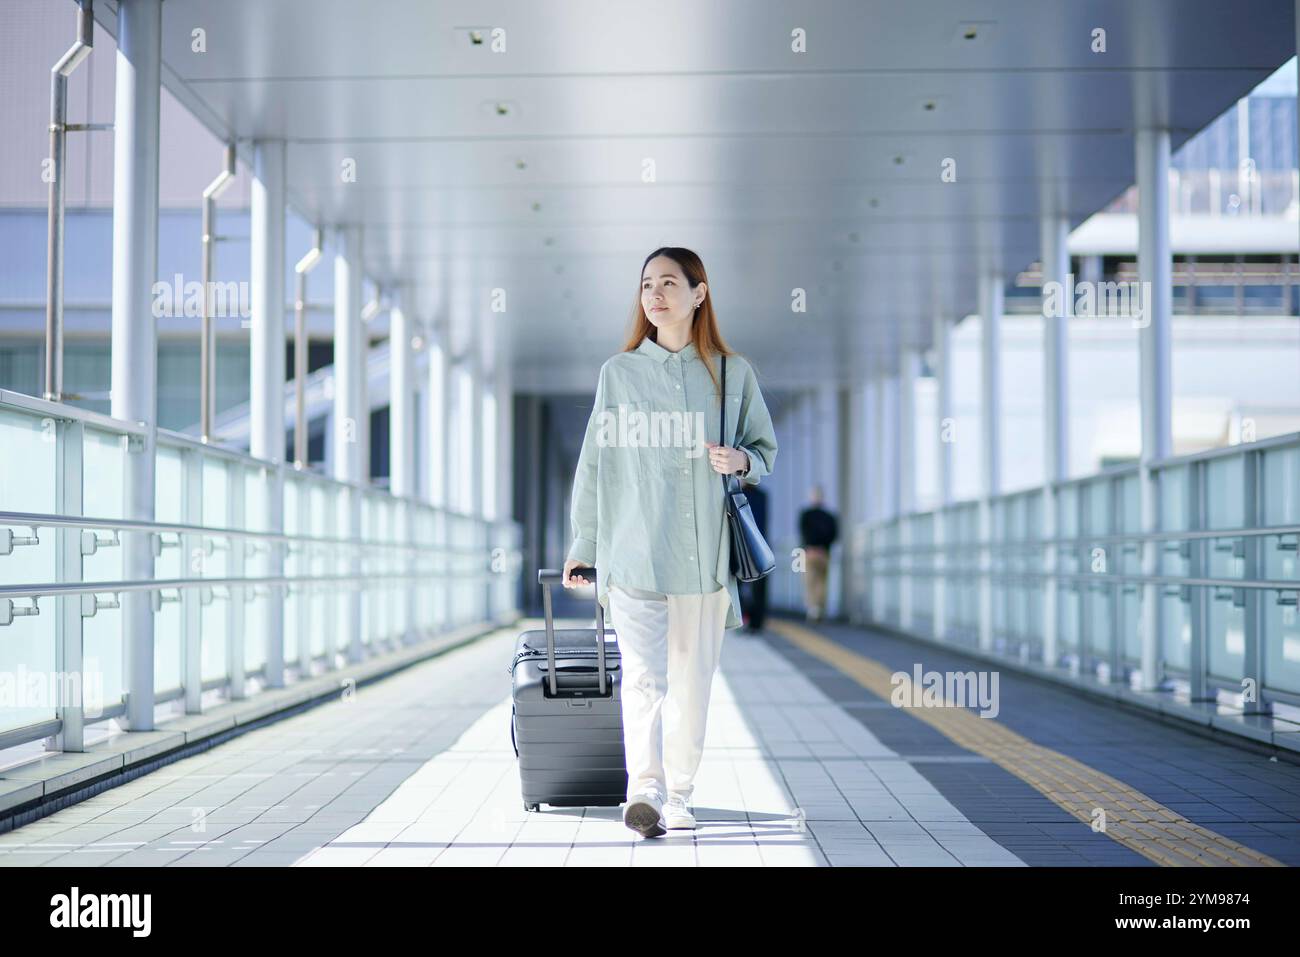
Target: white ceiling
{"x":779,"y":168}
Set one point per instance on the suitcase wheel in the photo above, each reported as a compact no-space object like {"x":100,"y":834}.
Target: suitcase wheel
{"x":532,"y":807}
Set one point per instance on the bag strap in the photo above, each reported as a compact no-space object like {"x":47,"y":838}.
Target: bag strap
{"x":722,"y":419}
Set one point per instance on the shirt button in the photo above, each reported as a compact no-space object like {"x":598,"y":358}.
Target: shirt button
{"x":678,"y":384}
{"x":686,"y":471}
{"x":688,"y":514}
{"x":692,"y":558}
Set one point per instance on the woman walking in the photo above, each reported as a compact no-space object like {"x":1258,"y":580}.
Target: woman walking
{"x":647,"y":512}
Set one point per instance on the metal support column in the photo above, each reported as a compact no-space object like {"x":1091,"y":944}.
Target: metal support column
{"x":348,"y":396}
{"x":991,"y":291}
{"x":908,"y":370}
{"x":301,"y":345}
{"x":1058,"y":300}
{"x":267,"y":366}
{"x":134,"y":382}
{"x":401,"y":446}
{"x":440,"y":454}
{"x":1155,"y":271}
{"x":945,"y":436}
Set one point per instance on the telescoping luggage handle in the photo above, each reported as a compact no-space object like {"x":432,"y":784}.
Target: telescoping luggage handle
{"x":546,"y":577}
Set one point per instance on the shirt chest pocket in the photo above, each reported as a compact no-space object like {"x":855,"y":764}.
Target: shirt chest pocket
{"x":633,"y":451}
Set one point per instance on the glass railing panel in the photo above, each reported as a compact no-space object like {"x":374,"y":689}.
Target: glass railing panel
{"x":258,"y":483}
{"x":1128,"y":518}
{"x":294,"y":567}
{"x":1069,"y":604}
{"x":1099,"y":623}
{"x":103,"y":485}
{"x":215,"y":601}
{"x":325,"y":619}
{"x":1225,"y":508}
{"x":1175,"y":560}
{"x":172,"y":562}
{"x":27,"y":473}
{"x":1280,"y":496}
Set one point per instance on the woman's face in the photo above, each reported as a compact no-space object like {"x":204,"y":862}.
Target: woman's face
{"x":666,"y":296}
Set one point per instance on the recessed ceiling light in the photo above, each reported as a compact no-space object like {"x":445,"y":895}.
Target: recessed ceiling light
{"x":499,"y":107}
{"x":973,"y":32}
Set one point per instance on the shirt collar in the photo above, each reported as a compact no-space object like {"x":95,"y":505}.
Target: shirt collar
{"x":653,"y":349}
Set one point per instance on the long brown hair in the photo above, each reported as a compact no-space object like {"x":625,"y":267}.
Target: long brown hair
{"x":704,"y":328}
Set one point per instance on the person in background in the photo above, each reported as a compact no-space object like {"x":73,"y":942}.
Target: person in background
{"x":818,"y":530}
{"x":754,"y":594}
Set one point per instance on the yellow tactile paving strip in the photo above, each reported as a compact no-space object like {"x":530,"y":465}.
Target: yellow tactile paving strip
{"x":1132,"y":819}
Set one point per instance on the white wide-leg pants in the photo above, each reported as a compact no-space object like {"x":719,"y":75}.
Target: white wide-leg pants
{"x":669,"y":647}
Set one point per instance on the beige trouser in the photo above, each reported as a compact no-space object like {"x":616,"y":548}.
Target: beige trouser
{"x":669,"y":648}
{"x":816,"y":561}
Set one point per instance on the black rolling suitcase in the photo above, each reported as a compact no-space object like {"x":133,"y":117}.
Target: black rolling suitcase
{"x":567,"y":720}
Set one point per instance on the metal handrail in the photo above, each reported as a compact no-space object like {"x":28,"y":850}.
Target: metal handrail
{"x":167,"y":438}
{"x":1114,"y":472}
{"x":45,"y":520}
{"x":1096,"y":578}
{"x":1029,"y":543}
{"x":51,"y":589}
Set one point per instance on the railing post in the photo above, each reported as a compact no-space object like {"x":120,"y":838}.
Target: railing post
{"x":304,"y":564}
{"x":335,"y":563}
{"x":1197,"y":659}
{"x":193,"y":563}
{"x":1115,"y":593}
{"x":239,"y":594}
{"x":69,"y":646}
{"x":1253,"y":562}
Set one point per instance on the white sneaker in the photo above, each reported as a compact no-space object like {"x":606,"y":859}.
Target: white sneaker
{"x":677,"y":816}
{"x":643,"y":813}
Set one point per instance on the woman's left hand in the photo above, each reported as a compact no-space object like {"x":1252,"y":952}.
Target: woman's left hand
{"x":726,"y":459}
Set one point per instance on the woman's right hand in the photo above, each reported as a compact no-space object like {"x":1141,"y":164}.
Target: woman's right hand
{"x":567,"y":580}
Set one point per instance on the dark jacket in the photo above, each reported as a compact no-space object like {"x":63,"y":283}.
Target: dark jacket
{"x":818,"y":527}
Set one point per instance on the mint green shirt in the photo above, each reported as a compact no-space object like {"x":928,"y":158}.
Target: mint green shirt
{"x":647,"y":507}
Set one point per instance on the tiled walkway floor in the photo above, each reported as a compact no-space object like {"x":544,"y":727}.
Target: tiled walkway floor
{"x":419,"y":770}
{"x":802,"y":767}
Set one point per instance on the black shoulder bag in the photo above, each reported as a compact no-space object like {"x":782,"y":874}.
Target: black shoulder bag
{"x":751,"y":558}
